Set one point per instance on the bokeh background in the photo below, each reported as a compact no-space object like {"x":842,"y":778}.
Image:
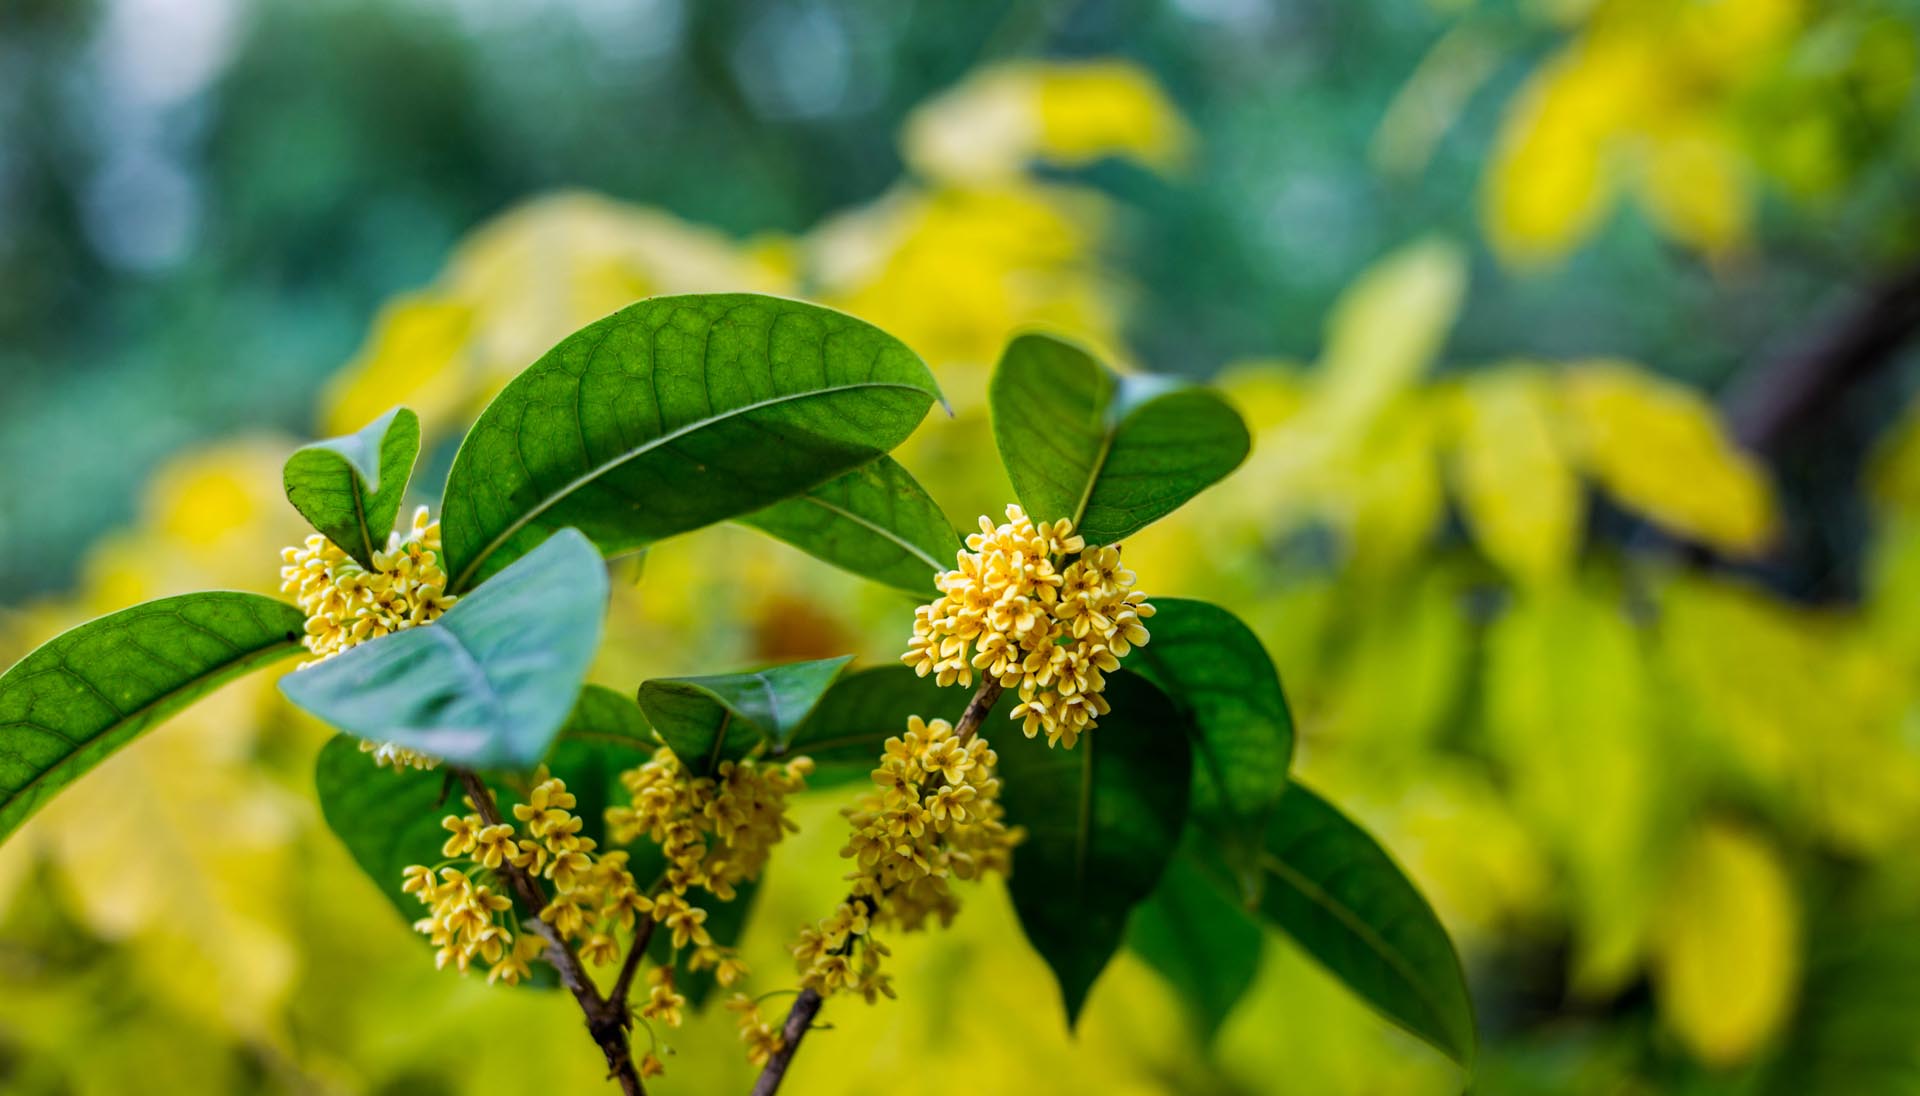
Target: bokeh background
{"x":1583,"y":520}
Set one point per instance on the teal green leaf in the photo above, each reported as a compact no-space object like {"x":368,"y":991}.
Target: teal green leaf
{"x":1338,"y":894}
{"x":71,"y":703}
{"x":1113,"y":453}
{"x":489,"y":684}
{"x":875,"y":521}
{"x":846,"y":731}
{"x":1102,"y":821}
{"x":1217,"y":672}
{"x":721,"y":717}
{"x":1205,"y":946}
{"x":350,"y":488}
{"x":675,"y":413}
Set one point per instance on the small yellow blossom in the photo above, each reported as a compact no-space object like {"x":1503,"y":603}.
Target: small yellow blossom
{"x":761,"y":1039}
{"x":346,"y":604}
{"x":1035,"y":609}
{"x":663,"y":1002}
{"x":650,"y":1066}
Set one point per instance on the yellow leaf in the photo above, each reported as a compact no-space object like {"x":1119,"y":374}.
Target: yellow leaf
{"x":1569,"y":715}
{"x":1726,"y":947}
{"x":1386,"y":330}
{"x":415,"y":355}
{"x":1659,"y":449}
{"x":1517,"y":487}
{"x":1550,"y":182}
{"x":991,"y":127}
{"x":1694,"y":186}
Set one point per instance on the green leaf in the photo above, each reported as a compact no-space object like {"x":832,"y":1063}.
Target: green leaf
{"x":349,"y":488}
{"x":876,"y":521}
{"x":84,"y":694}
{"x":604,"y":736}
{"x":1205,"y":946}
{"x":489,"y":684}
{"x":1332,"y":888}
{"x":721,"y":717}
{"x":1102,"y":821}
{"x":1216,"y":670}
{"x":387,"y":819}
{"x":675,"y":413}
{"x":1113,"y":453}
{"x":846,"y":731}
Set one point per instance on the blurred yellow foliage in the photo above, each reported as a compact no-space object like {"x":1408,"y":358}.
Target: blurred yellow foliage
{"x":1727,"y":944}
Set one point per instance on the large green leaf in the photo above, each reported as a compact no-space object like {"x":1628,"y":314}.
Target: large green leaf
{"x":1333,"y":889}
{"x":387,"y":819}
{"x":1102,"y":820}
{"x":875,"y":521}
{"x":1215,"y":669}
{"x":672,"y":414}
{"x":1205,"y":946}
{"x":86,"y":693}
{"x":1113,"y":453}
{"x":487,"y":685}
{"x":846,"y":731}
{"x":721,"y":717}
{"x":349,"y":488}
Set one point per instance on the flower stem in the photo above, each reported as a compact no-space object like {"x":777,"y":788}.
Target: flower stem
{"x":807,"y":1005}
{"x":606,"y":1024}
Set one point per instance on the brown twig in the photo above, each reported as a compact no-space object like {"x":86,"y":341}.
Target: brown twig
{"x":807,"y":1005}
{"x":607,"y":1025}
{"x":617,"y":1000}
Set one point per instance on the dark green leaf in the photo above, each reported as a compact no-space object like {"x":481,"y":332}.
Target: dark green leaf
{"x":1215,"y":669}
{"x":1204,"y":945}
{"x":603,"y":737}
{"x":1113,"y":453}
{"x":720,"y":717}
{"x":1332,"y":888}
{"x":672,"y":414}
{"x":349,"y":488}
{"x":846,"y":730}
{"x":876,"y":521}
{"x":387,"y":819}
{"x":84,"y":694}
{"x":1102,"y":820}
{"x":487,"y":685}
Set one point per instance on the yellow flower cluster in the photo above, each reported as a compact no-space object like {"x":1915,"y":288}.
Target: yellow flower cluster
{"x":1032,"y":607}
{"x":762,"y":1039}
{"x":935,"y":816}
{"x":716,"y":831}
{"x":595,"y":895}
{"x":463,"y":923}
{"x":346,"y":604}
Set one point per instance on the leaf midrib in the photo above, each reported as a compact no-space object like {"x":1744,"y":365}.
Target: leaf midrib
{"x":554,"y":498}
{"x":886,"y":533}
{"x":1355,"y":924}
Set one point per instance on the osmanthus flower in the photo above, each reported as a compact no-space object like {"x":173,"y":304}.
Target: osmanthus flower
{"x":470,"y":915}
{"x":1032,"y":607}
{"x":933,"y":817}
{"x":762,"y":1039}
{"x":347,"y":604}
